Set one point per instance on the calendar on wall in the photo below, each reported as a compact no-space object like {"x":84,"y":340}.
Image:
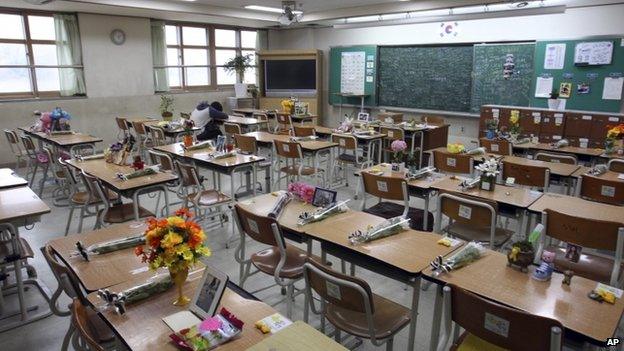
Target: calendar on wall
{"x":352,"y":72}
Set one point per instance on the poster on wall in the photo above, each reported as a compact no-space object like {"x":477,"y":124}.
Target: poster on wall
{"x":352,"y":72}
{"x":543,"y":87}
{"x":555,"y":56}
{"x":593,"y":53}
{"x":612,"y":89}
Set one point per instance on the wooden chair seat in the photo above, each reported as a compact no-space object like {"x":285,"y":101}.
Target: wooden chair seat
{"x":294,"y":170}
{"x":25,"y":249}
{"x":390,"y":209}
{"x":466,"y":232}
{"x":81,"y":197}
{"x":471,"y":342}
{"x":590,"y":266}
{"x":349,"y":158}
{"x":124,"y":213}
{"x":209,"y":197}
{"x":389,"y":317}
{"x":266,"y":261}
{"x":101,"y":331}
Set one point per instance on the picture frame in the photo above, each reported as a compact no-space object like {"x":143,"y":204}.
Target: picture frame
{"x":208,"y":293}
{"x":363,"y":117}
{"x":323,"y":197}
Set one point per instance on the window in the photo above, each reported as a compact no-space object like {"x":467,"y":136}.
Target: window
{"x":196,"y":55}
{"x":29,"y":65}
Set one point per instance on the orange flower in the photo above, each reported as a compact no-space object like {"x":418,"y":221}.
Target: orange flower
{"x":184,"y":212}
{"x":162,"y":223}
{"x":138,"y":250}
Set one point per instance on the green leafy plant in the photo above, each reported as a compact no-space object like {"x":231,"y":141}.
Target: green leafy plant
{"x":238,"y":65}
{"x":166,"y":105}
{"x":524,"y":245}
{"x":554,"y":94}
{"x":491,"y":124}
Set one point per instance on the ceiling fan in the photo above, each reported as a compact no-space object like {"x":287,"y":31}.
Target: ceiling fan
{"x":291,"y":13}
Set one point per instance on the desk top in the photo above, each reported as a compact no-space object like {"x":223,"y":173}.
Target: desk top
{"x":168,"y":131}
{"x":560,"y":169}
{"x":204,"y":155}
{"x":486,"y":155}
{"x":576,"y":206}
{"x":107,"y":173}
{"x":298,"y":336}
{"x":421,"y":183}
{"x":303,"y":117}
{"x":248,"y":111}
{"x":312,"y":145}
{"x":491,"y":278}
{"x":142,"y":328}
{"x":568,"y":149}
{"x":243,"y":120}
{"x":514,"y":196}
{"x":19,"y":203}
{"x":10,"y":179}
{"x":64,"y":140}
{"x":609,"y":175}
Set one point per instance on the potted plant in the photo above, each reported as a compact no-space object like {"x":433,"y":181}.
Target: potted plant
{"x":188,"y":126}
{"x":521,"y":255}
{"x":553,"y":101}
{"x":614,"y":141}
{"x":514,"y":126}
{"x":489,"y":170}
{"x":491,"y":125}
{"x":397,"y":147}
{"x":238,"y":65}
{"x":166,"y":107}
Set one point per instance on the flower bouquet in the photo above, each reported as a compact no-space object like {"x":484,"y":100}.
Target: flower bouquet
{"x":397,"y":147}
{"x":188,"y":126}
{"x":288,"y":106}
{"x":598,"y":170}
{"x":455,"y":148}
{"x":220,"y":155}
{"x":386,"y":228}
{"x":154,"y":285}
{"x":198,"y":146}
{"x":176,"y":243}
{"x":420,"y":173}
{"x":614,"y":140}
{"x":561,"y":143}
{"x":322,"y":213}
{"x":303,"y":191}
{"x":59,"y":120}
{"x":140,"y":173}
{"x":489,"y":170}
{"x":108,"y":246}
{"x":346,"y":126}
{"x":466,"y":255}
{"x":304,"y":138}
{"x":476,"y":151}
{"x":90,"y":157}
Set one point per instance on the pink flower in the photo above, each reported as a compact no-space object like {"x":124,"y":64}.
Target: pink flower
{"x":398,"y":145}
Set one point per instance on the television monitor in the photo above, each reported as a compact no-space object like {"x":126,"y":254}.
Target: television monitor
{"x":290,"y":77}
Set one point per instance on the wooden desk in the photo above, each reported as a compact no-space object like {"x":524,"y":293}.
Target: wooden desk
{"x":303,"y":118}
{"x":243,"y":121}
{"x":10,"y":179}
{"x":592,"y":152}
{"x":609,"y":175}
{"x":249,"y":111}
{"x":486,"y":155}
{"x":575,"y":206}
{"x":64,"y":141}
{"x":559,"y":169}
{"x":298,"y":336}
{"x":142,"y":328}
{"x":170,"y":133}
{"x":21,"y":206}
{"x":104,"y":270}
{"x":491,"y":278}
{"x":267,"y":138}
{"x":513,"y":196}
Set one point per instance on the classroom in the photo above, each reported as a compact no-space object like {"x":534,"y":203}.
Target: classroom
{"x":330,"y":175}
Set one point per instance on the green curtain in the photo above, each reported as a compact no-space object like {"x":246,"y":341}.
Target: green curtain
{"x":68,"y":53}
{"x":159,"y":56}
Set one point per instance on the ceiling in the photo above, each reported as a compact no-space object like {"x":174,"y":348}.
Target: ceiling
{"x":232,"y":12}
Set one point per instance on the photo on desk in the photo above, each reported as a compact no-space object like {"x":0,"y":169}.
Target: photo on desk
{"x":323,"y":197}
{"x":209,"y":293}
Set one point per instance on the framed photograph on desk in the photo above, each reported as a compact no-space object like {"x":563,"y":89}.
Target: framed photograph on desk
{"x":323,"y":197}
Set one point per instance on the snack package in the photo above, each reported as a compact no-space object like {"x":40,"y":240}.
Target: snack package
{"x":210,"y":333}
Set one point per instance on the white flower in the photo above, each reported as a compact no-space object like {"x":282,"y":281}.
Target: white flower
{"x":489,"y":168}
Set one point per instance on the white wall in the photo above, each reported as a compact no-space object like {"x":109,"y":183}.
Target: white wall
{"x":118,"y":78}
{"x":574,"y":23}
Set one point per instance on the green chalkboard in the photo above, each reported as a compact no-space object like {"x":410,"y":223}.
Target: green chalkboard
{"x":426,"y":77}
{"x":335,"y":66}
{"x":502,"y":74}
{"x":594,"y":76}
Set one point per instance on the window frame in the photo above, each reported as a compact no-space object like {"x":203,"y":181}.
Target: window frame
{"x":31,"y":65}
{"x":211,"y":47}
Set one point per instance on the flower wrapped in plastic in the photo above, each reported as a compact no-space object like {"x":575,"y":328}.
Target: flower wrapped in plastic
{"x":108,"y":246}
{"x":386,"y":228}
{"x":561,"y":143}
{"x":82,"y":158}
{"x":140,"y":173}
{"x":304,"y":191}
{"x":420,"y":173}
{"x":322,"y":213}
{"x":282,"y":200}
{"x":210,"y":333}
{"x":220,"y":155}
{"x":198,"y":146}
{"x":489,"y":168}
{"x":118,"y":301}
{"x":465,"y":256}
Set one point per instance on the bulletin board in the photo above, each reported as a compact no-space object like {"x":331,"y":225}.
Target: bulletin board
{"x":587,"y":81}
{"x":353,"y":69}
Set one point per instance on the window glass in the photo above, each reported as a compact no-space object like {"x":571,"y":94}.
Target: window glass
{"x":41,"y":27}
{"x":248,"y":39}
{"x":13,"y":54}
{"x":48,"y":79}
{"x":175,"y":77}
{"x":194,"y":36}
{"x":171,"y":34}
{"x":252,"y":56}
{"x":173,"y":57}
{"x":14,"y":80}
{"x":225,"y":37}
{"x":194,"y":57}
{"x":224,"y":77}
{"x":12,"y":27}
{"x":250,"y":76}
{"x":197,"y":76}
{"x":223,"y":56}
{"x":45,"y":54}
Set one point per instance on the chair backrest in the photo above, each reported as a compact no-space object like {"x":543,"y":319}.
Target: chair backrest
{"x":13,"y":141}
{"x":303,"y":131}
{"x":391,"y":188}
{"x":246,"y":143}
{"x":536,"y":176}
{"x":231,"y":128}
{"x":64,"y":276}
{"x":158,"y":135}
{"x":122,"y":123}
{"x":453,"y":163}
{"x":80,"y":321}
{"x":164,"y":160}
{"x":601,"y":190}
{"x":259,"y":228}
{"x":139,"y":127}
{"x":556,"y":158}
{"x":432,"y":119}
{"x":262,"y":117}
{"x":288,"y":149}
{"x":238,"y":114}
{"x":95,"y":188}
{"x":506,"y":327}
{"x":616,"y":165}
{"x":392,"y":133}
{"x":498,"y":147}
{"x":346,"y":142}
{"x":29,"y":145}
{"x":478,"y":214}
{"x":188,"y":174}
{"x":284,"y":119}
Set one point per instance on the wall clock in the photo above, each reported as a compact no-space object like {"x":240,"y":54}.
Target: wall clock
{"x":118,"y":36}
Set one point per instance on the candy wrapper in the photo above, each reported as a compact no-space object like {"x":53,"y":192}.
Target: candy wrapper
{"x":108,"y":246}
{"x":210,"y":333}
{"x":144,"y":172}
{"x":282,"y":201}
{"x":466,"y":255}
{"x":118,"y":301}
{"x":386,"y":228}
{"x":198,"y":146}
{"x":323,"y":213}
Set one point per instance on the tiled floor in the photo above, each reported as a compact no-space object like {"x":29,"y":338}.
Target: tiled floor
{"x":47,"y":334}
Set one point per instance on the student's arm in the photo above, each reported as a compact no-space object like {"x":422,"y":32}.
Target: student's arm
{"x":216,"y":114}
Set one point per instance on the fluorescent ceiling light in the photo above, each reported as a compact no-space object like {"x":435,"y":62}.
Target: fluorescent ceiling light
{"x":269,"y":9}
{"x":363,"y":19}
{"x":394,"y":16}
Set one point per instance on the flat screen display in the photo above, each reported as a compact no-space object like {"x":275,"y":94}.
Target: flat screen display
{"x":293,"y":75}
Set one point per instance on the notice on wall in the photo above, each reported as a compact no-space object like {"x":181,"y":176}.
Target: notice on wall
{"x":352,"y":72}
{"x":593,"y":53}
{"x":543,"y":87}
{"x":555,"y":56}
{"x":612,"y":89}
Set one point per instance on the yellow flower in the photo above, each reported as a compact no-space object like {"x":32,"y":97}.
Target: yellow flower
{"x":203,"y":250}
{"x":514,"y":119}
{"x":175,"y":221}
{"x":170,"y":240}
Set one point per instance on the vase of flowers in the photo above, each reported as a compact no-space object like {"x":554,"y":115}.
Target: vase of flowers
{"x":514,"y":126}
{"x":491,"y":125}
{"x":303,"y":191}
{"x":614,"y":140}
{"x":398,"y":147}
{"x":288,"y":106}
{"x":175,"y":243}
{"x":489,"y":170}
{"x":188,"y":126}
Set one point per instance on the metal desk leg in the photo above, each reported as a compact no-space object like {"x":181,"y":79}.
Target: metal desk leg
{"x":426,"y":214}
{"x":379,"y":153}
{"x":522,"y":231}
{"x":254,"y":170}
{"x":414,"y":315}
{"x":437,"y":317}
{"x":306,"y":308}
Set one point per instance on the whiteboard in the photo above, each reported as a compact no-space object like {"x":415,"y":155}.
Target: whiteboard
{"x":352,"y":72}
{"x":593,"y":53}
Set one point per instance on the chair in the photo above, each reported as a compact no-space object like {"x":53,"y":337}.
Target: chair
{"x":284,"y":123}
{"x":214,"y":202}
{"x":89,"y":337}
{"x":392,"y":134}
{"x":157,"y":135}
{"x":230,"y":130}
{"x":31,"y":151}
{"x":584,"y":232}
{"x":349,"y":304}
{"x":264,"y":118}
{"x":249,"y":145}
{"x":295,"y":167}
{"x":518,"y":330}
{"x":112,"y":212}
{"x":393,"y":188}
{"x":532,"y":176}
{"x":14,"y":144}
{"x":616,"y":165}
{"x":122,"y":125}
{"x":470,"y":220}
{"x":453,"y":163}
{"x":284,"y":262}
{"x":303,"y":131}
{"x":166,"y":164}
{"x":349,"y":154}
{"x":498,"y":147}
{"x":601,"y":190}
{"x":142,"y":137}
{"x":556,"y":158}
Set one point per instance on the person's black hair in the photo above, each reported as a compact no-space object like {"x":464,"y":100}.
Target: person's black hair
{"x":217,"y":106}
{"x":202,"y":105}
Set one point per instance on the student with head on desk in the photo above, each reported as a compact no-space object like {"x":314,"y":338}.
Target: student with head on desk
{"x":204,"y":116}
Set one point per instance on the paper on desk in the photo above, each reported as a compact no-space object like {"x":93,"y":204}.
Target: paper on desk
{"x":615,"y":291}
{"x":543,"y":87}
{"x":181,"y":320}
{"x":612,"y":88}
{"x":621,"y":176}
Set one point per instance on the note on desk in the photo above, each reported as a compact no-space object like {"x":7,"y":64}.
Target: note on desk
{"x":612,"y":89}
{"x":543,"y":87}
